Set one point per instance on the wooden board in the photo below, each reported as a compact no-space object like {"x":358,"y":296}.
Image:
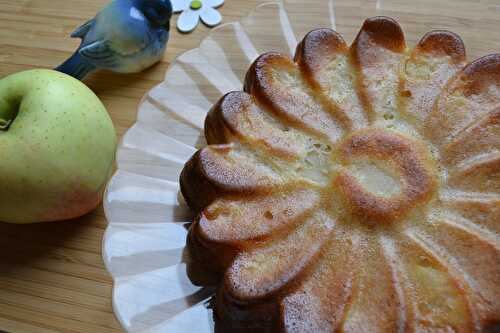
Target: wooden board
{"x":52,"y":278}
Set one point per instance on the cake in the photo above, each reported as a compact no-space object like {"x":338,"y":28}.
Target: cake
{"x":353,"y":189}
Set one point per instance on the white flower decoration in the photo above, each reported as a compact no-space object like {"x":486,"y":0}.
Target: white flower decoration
{"x":193,"y":10}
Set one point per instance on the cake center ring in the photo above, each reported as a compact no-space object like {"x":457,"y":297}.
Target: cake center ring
{"x":407,"y":158}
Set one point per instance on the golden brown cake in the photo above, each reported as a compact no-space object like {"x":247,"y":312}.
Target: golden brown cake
{"x":355,"y":189}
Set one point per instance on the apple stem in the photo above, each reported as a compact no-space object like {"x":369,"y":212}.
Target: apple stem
{"x":8,"y":111}
{"x":12,"y":90}
{"x":4,"y":124}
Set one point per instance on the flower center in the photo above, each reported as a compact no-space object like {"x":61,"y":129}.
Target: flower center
{"x":195,"y":4}
{"x":383,"y":175}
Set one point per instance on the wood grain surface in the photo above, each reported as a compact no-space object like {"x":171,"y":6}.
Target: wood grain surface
{"x":52,"y":278}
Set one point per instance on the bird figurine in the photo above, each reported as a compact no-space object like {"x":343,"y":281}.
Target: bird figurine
{"x":126,"y":36}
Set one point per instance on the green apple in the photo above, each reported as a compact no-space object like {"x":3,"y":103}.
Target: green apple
{"x":57,"y":147}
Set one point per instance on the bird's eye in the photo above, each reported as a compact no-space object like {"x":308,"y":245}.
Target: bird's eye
{"x":159,"y":12}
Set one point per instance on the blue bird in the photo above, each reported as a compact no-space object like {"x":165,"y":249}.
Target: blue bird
{"x":126,"y":36}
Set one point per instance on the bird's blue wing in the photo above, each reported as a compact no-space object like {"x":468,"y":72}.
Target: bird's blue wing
{"x":100,"y":54}
{"x":82,"y":30}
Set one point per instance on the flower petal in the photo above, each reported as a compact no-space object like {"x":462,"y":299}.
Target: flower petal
{"x":188,"y":20}
{"x":377,"y":53}
{"x":484,"y":211}
{"x":230,"y":225}
{"x":318,"y":305}
{"x":265,"y":215}
{"x":258,"y":273}
{"x":433,"y":295}
{"x":237,"y":118}
{"x":466,"y":100}
{"x":438,"y":56}
{"x":223,"y":169}
{"x":213,"y":3}
{"x":476,"y":140}
{"x":323,"y":58}
{"x":480,"y":175}
{"x":210,"y":16}
{"x":471,"y":254}
{"x":376,"y":304}
{"x":277,"y":82}
{"x":179,"y":5}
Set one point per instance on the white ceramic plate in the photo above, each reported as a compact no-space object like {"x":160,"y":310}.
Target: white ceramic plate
{"x":144,"y":243}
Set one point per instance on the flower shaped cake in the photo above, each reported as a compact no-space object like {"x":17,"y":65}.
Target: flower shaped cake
{"x":355,"y":189}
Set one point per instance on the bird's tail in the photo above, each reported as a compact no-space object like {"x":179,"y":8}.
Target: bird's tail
{"x":76,"y":66}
